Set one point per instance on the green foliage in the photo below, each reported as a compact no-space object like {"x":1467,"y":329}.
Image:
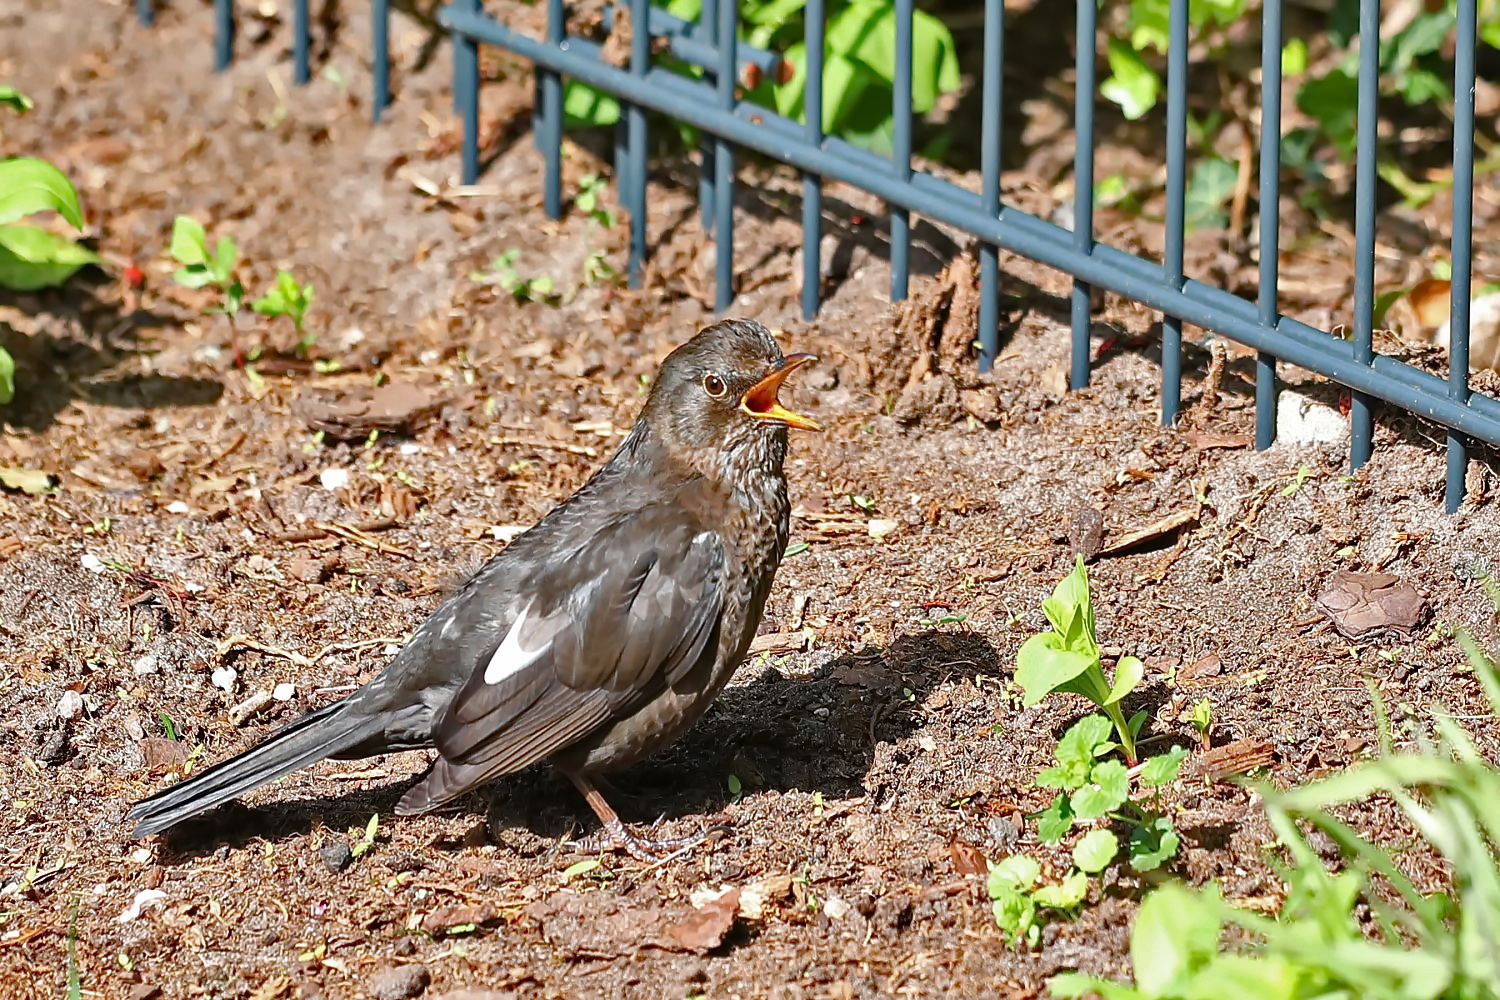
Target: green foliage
{"x":1017,"y":899}
{"x":1091,"y":788}
{"x":1202,"y":719}
{"x":1067,"y":659}
{"x":288,"y":298}
{"x":7,"y":377}
{"x":590,"y":202}
{"x":502,"y":272}
{"x":1415,"y":945}
{"x":12,"y":98}
{"x":859,"y":67}
{"x":366,"y":837}
{"x":204,"y":268}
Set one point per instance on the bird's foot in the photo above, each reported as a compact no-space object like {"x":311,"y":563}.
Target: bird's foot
{"x":617,"y":837}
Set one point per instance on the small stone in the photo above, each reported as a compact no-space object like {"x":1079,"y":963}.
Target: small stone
{"x":334,"y":479}
{"x":399,"y":983}
{"x":55,"y":747}
{"x":223,"y":678}
{"x":70,"y":706}
{"x":93,"y":563}
{"x":284,"y":691}
{"x":836,"y":908}
{"x":146,"y":664}
{"x":177,"y":507}
{"x":1086,"y":532}
{"x":336,"y":856}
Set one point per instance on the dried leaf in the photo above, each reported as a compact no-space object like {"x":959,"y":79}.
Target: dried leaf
{"x":33,"y":481}
{"x":705,"y":927}
{"x":1237,"y":757}
{"x":1371,"y":605}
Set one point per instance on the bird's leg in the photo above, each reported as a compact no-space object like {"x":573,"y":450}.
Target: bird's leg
{"x":621,"y":839}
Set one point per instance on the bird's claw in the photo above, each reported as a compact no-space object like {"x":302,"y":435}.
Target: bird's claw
{"x":616,"y":837}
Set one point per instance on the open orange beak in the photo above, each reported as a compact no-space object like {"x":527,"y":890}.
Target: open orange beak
{"x":760,"y":399}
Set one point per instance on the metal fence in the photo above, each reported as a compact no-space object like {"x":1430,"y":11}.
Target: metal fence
{"x":728,"y":122}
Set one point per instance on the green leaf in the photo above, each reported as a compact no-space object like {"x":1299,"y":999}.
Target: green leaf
{"x":1133,"y":85}
{"x":1162,"y":769}
{"x":1095,"y":851}
{"x":1128,"y":673}
{"x":864,"y":32}
{"x":226,"y":255}
{"x":32,"y":258}
{"x":1294,"y":58}
{"x":1065,"y":895}
{"x":1019,"y":871}
{"x":1054,"y":822}
{"x":1176,"y":931}
{"x":1044,"y":665}
{"x":580,"y":868}
{"x":1209,"y":188}
{"x":1076,"y":984}
{"x":7,"y":377}
{"x":1154,"y":843}
{"x":1107,"y":790}
{"x":1332,"y":100}
{"x":1085,"y":741}
{"x":189,"y":245}
{"x":585,"y":107}
{"x":29,"y":185}
{"x":195,"y":276}
{"x":12,"y":98}
{"x":32,"y":481}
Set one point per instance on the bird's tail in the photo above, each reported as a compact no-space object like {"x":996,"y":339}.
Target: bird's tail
{"x":327,"y":732}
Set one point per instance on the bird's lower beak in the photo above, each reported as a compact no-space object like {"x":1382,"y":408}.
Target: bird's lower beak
{"x":761,"y":403}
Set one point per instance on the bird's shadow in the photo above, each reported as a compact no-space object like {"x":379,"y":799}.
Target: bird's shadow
{"x":777,"y":733}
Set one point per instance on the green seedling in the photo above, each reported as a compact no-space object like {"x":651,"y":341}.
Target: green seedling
{"x":168,"y":726}
{"x":1067,"y":659}
{"x":1092,"y":787}
{"x":366,"y":839}
{"x":205,"y":268}
{"x":597,"y":269}
{"x":287,"y":297}
{"x":1298,"y":479}
{"x":502,"y":272}
{"x":1203,"y":721}
{"x":75,"y":981}
{"x":590,"y":201}
{"x":1018,"y":901}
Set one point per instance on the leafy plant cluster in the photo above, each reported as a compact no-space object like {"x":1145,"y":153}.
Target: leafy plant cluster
{"x":1415,"y":945}
{"x":215,"y":268}
{"x":1093,"y":784}
{"x":31,"y":257}
{"x":1413,"y":68}
{"x":859,"y":70}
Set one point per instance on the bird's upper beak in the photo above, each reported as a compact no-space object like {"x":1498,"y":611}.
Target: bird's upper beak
{"x":760,"y":399}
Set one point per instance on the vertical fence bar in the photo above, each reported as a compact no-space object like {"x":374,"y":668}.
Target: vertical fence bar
{"x":1083,"y":188}
{"x":223,"y":34}
{"x":552,"y":123}
{"x":145,"y":12}
{"x":1463,"y":241}
{"x":812,"y":184}
{"x":635,"y":125}
{"x":1171,"y":326}
{"x":724,"y":162}
{"x":989,"y":187}
{"x":380,"y":60}
{"x":1362,"y":407}
{"x":622,"y":157}
{"x":708,"y":24}
{"x":901,"y":148}
{"x":466,"y":92}
{"x":301,"y":43}
{"x":1270,"y":215}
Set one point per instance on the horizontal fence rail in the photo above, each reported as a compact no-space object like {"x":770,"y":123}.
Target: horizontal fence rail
{"x":727,"y":121}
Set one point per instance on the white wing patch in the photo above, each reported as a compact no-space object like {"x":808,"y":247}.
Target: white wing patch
{"x":511,"y":658}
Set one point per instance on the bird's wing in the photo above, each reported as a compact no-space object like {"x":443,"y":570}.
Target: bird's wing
{"x":635,"y":610}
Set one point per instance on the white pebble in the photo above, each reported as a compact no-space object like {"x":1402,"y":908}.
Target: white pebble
{"x":70,"y":705}
{"x":411,"y":448}
{"x":284,"y":692}
{"x":223,"y":678}
{"x":93,"y":563}
{"x":1299,"y":420}
{"x":146,"y":664}
{"x":506,"y":532}
{"x":177,"y":507}
{"x":836,"y":908}
{"x":334,"y":479}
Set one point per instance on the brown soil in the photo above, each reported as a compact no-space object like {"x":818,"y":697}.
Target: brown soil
{"x":876,"y":767}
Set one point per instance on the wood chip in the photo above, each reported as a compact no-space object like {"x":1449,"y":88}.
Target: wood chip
{"x":705,"y":927}
{"x":1162,"y":528}
{"x":779,"y":642}
{"x":1203,"y":441}
{"x":1086,"y":532}
{"x":352,"y":414}
{"x":1364,"y":606}
{"x":1239,"y":757}
{"x":257,"y":701}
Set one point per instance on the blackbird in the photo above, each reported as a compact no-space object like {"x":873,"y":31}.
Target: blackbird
{"x":598,"y":636}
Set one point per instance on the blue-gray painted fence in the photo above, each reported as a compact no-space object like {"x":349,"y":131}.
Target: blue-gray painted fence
{"x":726,"y":122}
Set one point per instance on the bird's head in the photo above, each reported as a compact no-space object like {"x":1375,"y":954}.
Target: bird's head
{"x":717,"y":395}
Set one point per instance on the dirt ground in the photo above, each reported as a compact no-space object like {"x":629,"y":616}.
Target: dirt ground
{"x":866,"y":762}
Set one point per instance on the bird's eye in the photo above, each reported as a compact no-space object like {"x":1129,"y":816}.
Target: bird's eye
{"x":714,"y":386}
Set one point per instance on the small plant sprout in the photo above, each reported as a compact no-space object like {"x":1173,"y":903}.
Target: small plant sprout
{"x":1091,"y":787}
{"x":1202,"y":719}
{"x":1017,"y":899}
{"x":366,"y":838}
{"x":287,"y":297}
{"x":590,"y":202}
{"x":204,"y":268}
{"x":1067,"y":659}
{"x":502,"y":272}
